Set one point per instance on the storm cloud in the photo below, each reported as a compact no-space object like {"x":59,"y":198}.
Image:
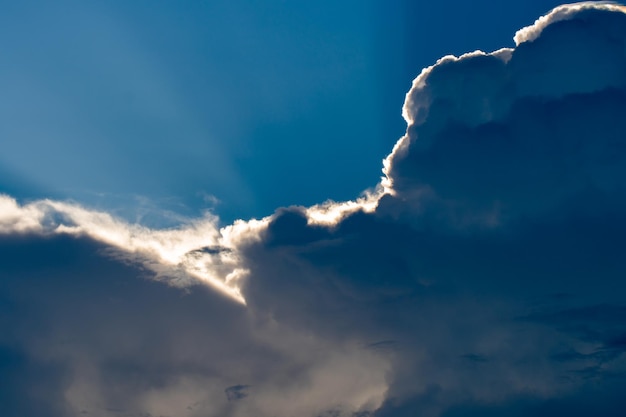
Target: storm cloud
{"x":484,"y":275}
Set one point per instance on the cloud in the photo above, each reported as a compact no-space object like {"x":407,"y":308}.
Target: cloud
{"x":83,"y":334}
{"x":484,"y":274}
{"x":517,"y":130}
{"x":236,"y":392}
{"x":560,"y":13}
{"x":196,"y":251}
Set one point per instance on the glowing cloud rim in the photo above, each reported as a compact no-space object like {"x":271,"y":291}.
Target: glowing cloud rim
{"x":560,"y":13}
{"x":200,"y":251}
{"x":197,"y":249}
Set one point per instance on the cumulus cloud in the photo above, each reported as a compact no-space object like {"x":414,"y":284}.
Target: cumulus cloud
{"x":564,"y":12}
{"x":484,"y":274}
{"x":516,"y":131}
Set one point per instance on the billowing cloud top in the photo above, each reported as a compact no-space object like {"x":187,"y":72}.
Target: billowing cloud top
{"x":484,"y":274}
{"x":565,"y":12}
{"x":516,"y":129}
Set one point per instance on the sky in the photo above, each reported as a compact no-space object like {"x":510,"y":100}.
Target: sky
{"x":329,"y":209}
{"x":229,"y":106}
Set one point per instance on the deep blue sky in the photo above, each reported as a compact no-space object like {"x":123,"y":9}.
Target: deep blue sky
{"x":142,"y":106}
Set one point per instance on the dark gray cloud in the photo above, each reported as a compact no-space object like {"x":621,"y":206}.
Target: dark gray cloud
{"x":483,"y":276}
{"x":508,"y":188}
{"x":88,"y":334}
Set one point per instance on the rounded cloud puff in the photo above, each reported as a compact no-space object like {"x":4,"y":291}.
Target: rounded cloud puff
{"x":518,"y":130}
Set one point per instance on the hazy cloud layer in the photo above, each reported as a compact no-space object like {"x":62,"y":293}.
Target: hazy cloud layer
{"x":483,"y":276}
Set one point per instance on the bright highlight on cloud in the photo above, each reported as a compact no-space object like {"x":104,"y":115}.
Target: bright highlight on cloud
{"x":565,"y":12}
{"x":482,"y":276}
{"x":197,"y":251}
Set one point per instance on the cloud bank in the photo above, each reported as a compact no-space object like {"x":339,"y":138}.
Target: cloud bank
{"x":484,"y":275}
